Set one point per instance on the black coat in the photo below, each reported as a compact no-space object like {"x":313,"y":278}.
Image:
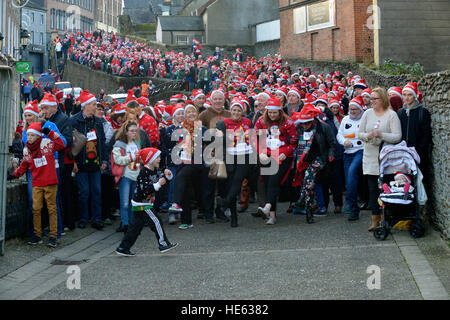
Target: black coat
{"x":416,"y":130}
{"x":79,"y":123}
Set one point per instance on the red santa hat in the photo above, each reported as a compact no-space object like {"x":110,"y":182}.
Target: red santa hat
{"x":120,"y":109}
{"x":295,"y":91}
{"x":175,"y":109}
{"x":130,"y":96}
{"x":401,"y":174}
{"x":361,"y":83}
{"x":48,"y":100}
{"x":366,"y":92}
{"x":334,"y":102}
{"x":396,"y":90}
{"x":323,"y":98}
{"x":175,"y":98}
{"x":32,"y":107}
{"x":237,"y":102}
{"x":308,"y":113}
{"x":274,"y":104}
{"x":148,"y":155}
{"x":35,"y":128}
{"x":412,"y":87}
{"x":283,"y":90}
{"x":86,"y":97}
{"x":359,"y":102}
{"x":143,"y":101}
{"x":197,"y":93}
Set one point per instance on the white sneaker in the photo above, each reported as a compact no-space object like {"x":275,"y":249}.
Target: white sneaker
{"x":271,"y":221}
{"x":263,"y":212}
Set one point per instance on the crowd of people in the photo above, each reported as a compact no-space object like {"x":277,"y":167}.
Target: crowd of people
{"x":264,"y":133}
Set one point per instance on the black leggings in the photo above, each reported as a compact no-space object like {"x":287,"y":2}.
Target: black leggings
{"x":236,"y":173}
{"x":374,"y":192}
{"x":181,"y":194}
{"x":272,"y":183}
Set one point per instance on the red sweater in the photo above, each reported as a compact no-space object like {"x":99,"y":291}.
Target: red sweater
{"x":43,"y":170}
{"x":286,"y":140}
{"x":150,"y":126}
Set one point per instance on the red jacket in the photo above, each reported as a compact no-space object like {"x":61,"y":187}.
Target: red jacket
{"x":285,"y":142}
{"x":147,"y":123}
{"x":43,"y":170}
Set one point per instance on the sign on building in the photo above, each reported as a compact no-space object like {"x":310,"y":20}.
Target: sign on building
{"x":23,"y":67}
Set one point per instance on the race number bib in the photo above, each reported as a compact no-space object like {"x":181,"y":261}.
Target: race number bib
{"x":40,"y":162}
{"x":91,"y":136}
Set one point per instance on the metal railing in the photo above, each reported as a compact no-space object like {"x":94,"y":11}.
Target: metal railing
{"x":5,"y":119}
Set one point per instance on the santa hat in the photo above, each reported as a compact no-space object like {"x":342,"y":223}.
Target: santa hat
{"x":359,"y":102}
{"x":396,"y":90}
{"x":237,"y":102}
{"x":35,"y":128}
{"x":323,"y":98}
{"x":120,"y":109}
{"x":308,"y":113}
{"x":175,"y":98}
{"x":148,"y":155}
{"x":197,"y":93}
{"x":188,"y":106}
{"x":274,"y":104}
{"x":86,"y":97}
{"x":143,"y":101}
{"x":283,"y":90}
{"x":130,"y":96}
{"x":334,"y":102}
{"x":175,"y":109}
{"x":48,"y":100}
{"x":366,"y":92}
{"x":401,"y":174}
{"x":412,"y":87}
{"x":295,"y":91}
{"x":32,"y":107}
{"x":361,"y":83}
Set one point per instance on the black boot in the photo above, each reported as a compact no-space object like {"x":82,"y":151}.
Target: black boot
{"x":309,"y":216}
{"x":234,"y":219}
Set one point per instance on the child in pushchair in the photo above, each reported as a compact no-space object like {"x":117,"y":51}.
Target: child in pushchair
{"x":398,"y":187}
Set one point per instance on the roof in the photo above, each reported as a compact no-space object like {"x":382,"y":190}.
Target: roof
{"x":134,"y":4}
{"x":181,"y":23}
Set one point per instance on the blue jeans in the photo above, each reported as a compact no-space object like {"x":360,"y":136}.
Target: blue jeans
{"x":352,"y":169}
{"x":126,"y":191}
{"x":89,"y":184}
{"x":319,"y":196}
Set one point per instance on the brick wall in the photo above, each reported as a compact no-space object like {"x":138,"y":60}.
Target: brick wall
{"x":349,"y":39}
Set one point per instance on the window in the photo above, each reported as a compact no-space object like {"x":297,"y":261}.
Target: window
{"x":314,"y":16}
{"x":32,"y":17}
{"x":52,"y":19}
{"x":41,"y":38}
{"x":42,"y":19}
{"x":182,"y":40}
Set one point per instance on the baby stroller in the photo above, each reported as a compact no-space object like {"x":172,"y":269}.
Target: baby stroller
{"x":398,"y":206}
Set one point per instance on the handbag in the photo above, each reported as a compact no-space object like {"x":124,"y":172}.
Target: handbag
{"x":217,"y":170}
{"x":79,"y":141}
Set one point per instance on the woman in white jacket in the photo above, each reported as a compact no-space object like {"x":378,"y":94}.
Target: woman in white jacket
{"x":125,"y":152}
{"x":353,"y":154}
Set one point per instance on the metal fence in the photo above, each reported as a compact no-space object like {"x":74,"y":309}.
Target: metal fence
{"x":5,"y":115}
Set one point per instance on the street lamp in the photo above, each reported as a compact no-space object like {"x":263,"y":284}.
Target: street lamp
{"x":24,"y":37}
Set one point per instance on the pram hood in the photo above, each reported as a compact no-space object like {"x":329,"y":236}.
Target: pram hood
{"x":398,"y":157}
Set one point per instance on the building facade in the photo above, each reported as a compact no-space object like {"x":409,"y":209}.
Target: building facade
{"x":34,"y":19}
{"x":69,"y":15}
{"x":106,"y":15}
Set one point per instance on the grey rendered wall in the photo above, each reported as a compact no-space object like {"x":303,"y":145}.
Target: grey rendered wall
{"x":416,"y":31}
{"x":230,"y":21}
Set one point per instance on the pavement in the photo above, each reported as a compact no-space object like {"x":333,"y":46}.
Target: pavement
{"x":330,"y":259}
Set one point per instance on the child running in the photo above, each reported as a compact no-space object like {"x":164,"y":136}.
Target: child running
{"x":149,"y":181}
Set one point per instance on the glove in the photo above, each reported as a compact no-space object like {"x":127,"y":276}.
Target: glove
{"x":330,"y":158}
{"x":45,"y":131}
{"x":11,"y":177}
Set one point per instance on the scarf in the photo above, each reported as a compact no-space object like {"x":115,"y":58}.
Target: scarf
{"x":190,"y":127}
{"x":35,"y":148}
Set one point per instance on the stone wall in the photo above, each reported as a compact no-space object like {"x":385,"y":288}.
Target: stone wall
{"x":17,"y":217}
{"x":94,"y":81}
{"x":266,"y":47}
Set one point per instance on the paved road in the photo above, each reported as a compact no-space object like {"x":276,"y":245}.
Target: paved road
{"x":290,"y":260}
